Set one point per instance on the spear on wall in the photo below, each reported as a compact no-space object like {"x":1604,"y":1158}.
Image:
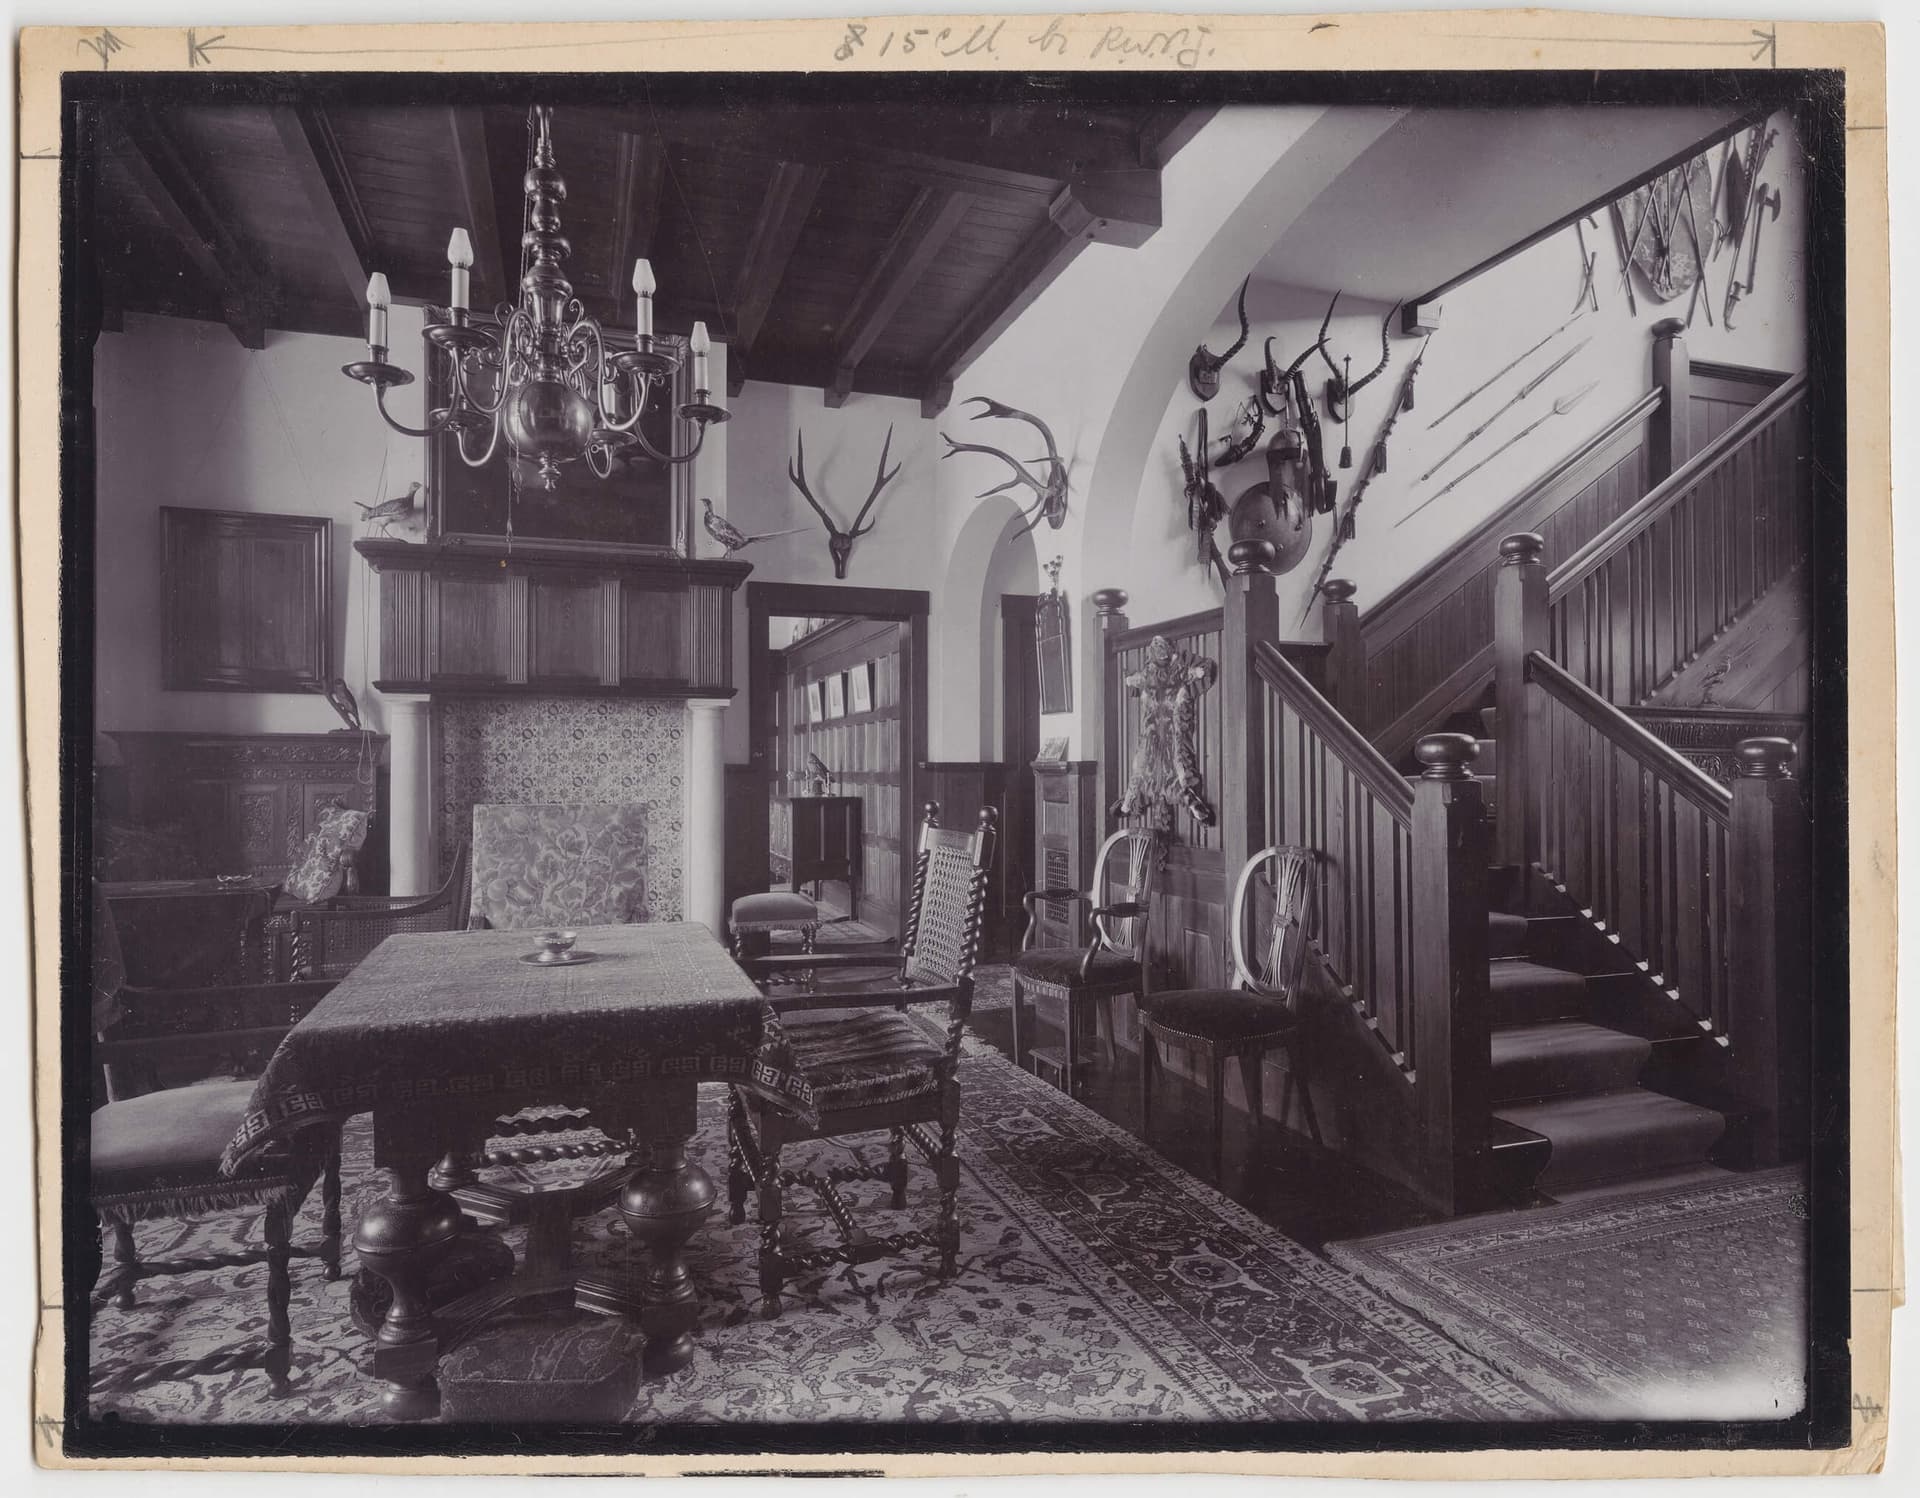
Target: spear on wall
{"x":1343,"y":528}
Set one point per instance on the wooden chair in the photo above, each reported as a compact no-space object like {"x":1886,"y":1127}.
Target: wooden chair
{"x":1078,"y":983}
{"x":156,"y":1154}
{"x":330,"y":941}
{"x":862,"y":1063}
{"x":1259,"y":1012}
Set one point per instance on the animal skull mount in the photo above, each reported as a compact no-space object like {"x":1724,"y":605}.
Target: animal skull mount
{"x":840,"y":542}
{"x":1341,"y":386}
{"x":1049,"y":488}
{"x":1203,"y":369}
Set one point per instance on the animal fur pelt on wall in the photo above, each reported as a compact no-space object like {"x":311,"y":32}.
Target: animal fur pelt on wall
{"x":1166,"y":760}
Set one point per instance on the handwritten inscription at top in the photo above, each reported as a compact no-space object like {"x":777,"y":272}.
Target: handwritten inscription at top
{"x":102,"y":46}
{"x":1182,"y":46}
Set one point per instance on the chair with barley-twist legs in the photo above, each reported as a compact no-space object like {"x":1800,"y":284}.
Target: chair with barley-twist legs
{"x":1077,"y":984}
{"x":855,"y":1060}
{"x":1260,"y":1011}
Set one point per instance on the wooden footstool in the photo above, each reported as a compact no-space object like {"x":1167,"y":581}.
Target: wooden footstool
{"x":754,"y":919}
{"x":575,"y":1367}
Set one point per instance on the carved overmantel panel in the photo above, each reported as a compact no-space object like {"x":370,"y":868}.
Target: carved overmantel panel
{"x":552,"y":619}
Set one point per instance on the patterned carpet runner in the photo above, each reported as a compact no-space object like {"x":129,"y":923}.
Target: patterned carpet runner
{"x":1097,"y":1282}
{"x":1678,"y":1302}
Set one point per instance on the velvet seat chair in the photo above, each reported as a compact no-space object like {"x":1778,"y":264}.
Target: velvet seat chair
{"x":1082,"y":984}
{"x":863,"y":1063}
{"x":156,"y":1154}
{"x":329,"y":941}
{"x":562,"y":864}
{"x":1270,"y":925}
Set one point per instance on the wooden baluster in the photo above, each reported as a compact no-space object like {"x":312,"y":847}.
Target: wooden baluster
{"x":1452,"y":1058}
{"x":1768,"y":948}
{"x":1347,"y":659}
{"x":1669,"y":427}
{"x":1519,"y":628}
{"x":1110,"y":618}
{"x":1250,"y":617}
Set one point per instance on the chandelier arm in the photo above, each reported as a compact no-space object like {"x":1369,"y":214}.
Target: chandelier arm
{"x":632,"y":424}
{"x":464,"y":392}
{"x":493,"y":443}
{"x":600,"y":461}
{"x":380,"y":400}
{"x":700,"y":437}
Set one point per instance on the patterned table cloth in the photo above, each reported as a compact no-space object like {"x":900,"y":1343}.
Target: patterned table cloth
{"x":451,"y":1017}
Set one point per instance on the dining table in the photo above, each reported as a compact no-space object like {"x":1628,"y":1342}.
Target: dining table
{"x":454,"y":1039}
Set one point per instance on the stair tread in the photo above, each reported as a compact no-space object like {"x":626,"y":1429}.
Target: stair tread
{"x":1520,"y":972}
{"x":1619,"y":1115}
{"x":1510,"y":1041}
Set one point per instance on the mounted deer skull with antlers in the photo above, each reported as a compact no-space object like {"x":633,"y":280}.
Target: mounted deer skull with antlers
{"x":840,"y":542}
{"x":1203,"y":369}
{"x":1050,"y":490}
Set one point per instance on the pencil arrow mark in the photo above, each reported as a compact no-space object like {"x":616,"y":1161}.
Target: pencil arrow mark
{"x":197,"y":50}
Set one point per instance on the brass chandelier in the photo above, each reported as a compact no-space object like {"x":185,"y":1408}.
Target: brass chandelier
{"x":544,"y":378}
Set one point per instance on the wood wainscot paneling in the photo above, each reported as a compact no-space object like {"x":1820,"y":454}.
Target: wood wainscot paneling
{"x":192,"y":805}
{"x":962,"y":788}
{"x":1066,"y":827}
{"x":552,"y":619}
{"x":747,"y":866}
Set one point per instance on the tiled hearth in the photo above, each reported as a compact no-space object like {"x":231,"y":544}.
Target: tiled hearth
{"x":567,"y":749}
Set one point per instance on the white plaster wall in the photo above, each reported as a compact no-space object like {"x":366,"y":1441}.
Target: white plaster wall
{"x":1485,"y":323}
{"x":185,"y":416}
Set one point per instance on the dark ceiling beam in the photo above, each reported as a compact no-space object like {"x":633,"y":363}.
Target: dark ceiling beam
{"x":160,"y":169}
{"x":1117,"y":208}
{"x":783,"y":214}
{"x":495,"y":256}
{"x":639,"y":175}
{"x":319,"y":166}
{"x":902,"y":146}
{"x":801,"y":368}
{"x":915,"y":244}
{"x":1165,"y":132}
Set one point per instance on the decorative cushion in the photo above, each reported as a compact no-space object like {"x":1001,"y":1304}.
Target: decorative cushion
{"x":773,"y":909}
{"x":149,"y":1142}
{"x":585,"y":1369}
{"x":851,"y":1058}
{"x":1222,"y":1014}
{"x":324,"y":859}
{"x":1060,"y":966}
{"x":568,"y":864}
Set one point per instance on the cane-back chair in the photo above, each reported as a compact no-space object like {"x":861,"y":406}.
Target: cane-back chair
{"x":1079,"y":984}
{"x":863,"y":1063}
{"x":1274,"y":905}
{"x":156,"y":1154}
{"x":329,"y":941}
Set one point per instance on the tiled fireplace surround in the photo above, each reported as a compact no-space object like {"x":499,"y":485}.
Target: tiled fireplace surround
{"x":566,"y":749}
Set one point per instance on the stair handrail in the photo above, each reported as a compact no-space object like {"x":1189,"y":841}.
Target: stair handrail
{"x":1664,"y":495}
{"x":1354,"y":749}
{"x":1620,"y":729}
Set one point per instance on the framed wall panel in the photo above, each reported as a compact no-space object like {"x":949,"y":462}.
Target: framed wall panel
{"x":246,"y":601}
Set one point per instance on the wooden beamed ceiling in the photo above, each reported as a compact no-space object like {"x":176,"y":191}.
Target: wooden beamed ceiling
{"x":858,"y":249}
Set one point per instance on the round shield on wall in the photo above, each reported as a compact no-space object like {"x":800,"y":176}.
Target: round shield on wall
{"x":1284,"y":523}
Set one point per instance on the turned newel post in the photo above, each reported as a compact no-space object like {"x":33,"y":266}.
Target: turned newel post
{"x":1768,"y":948}
{"x":1519,"y":629}
{"x":1249,"y":617}
{"x":1668,"y":428}
{"x":1452,"y":1059}
{"x":1110,"y":619}
{"x":1347,"y":656}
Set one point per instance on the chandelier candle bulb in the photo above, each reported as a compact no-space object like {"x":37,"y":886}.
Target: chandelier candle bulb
{"x":643,"y":285}
{"x":379,"y":299}
{"x":700,"y":344}
{"x":460,"y":258}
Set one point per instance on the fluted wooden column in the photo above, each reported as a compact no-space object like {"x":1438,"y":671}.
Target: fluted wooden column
{"x":410,"y":796}
{"x":703,"y":826}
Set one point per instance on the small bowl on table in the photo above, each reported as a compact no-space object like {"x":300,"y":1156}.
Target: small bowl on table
{"x":555,"y":946}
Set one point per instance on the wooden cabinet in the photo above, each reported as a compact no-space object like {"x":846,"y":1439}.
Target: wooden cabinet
{"x":552,"y":619}
{"x":246,"y":601}
{"x":824,"y":833}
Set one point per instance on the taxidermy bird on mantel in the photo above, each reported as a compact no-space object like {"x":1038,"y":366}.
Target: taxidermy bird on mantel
{"x":731,"y":536}
{"x":383,"y":515}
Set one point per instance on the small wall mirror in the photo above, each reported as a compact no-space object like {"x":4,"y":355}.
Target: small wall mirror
{"x":1053,"y":639}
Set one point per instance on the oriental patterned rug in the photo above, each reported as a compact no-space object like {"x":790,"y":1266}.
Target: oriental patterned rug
{"x":1096,"y":1282}
{"x":1686,"y":1302}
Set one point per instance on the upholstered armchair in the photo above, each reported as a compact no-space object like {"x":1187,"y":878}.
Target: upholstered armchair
{"x":866,"y":1064}
{"x":1078,"y":983}
{"x":564,"y":864}
{"x":329,"y":940}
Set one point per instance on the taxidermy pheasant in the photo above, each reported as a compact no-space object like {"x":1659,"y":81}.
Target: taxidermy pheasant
{"x":731,"y":536}
{"x":387,"y":511}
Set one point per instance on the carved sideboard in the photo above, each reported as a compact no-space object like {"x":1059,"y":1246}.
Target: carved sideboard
{"x":182,"y":805}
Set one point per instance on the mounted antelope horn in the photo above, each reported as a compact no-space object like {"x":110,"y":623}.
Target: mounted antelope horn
{"x":1203,"y":369}
{"x":840,"y":542}
{"x":1050,"y":491}
{"x":1342,"y":388}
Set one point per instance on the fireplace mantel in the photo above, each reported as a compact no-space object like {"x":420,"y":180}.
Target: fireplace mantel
{"x":552,"y":619}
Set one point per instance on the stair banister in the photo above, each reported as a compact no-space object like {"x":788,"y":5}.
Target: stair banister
{"x":1249,"y":618}
{"x":1519,"y":629}
{"x":1668,"y":429}
{"x":1110,"y":615}
{"x":1347,"y":650}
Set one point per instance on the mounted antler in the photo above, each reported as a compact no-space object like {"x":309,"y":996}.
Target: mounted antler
{"x":1342,"y":387}
{"x":840,"y":542}
{"x":1050,"y":502}
{"x":1203,"y":369}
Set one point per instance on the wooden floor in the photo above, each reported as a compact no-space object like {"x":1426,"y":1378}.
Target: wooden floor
{"x":1311,"y":1195}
